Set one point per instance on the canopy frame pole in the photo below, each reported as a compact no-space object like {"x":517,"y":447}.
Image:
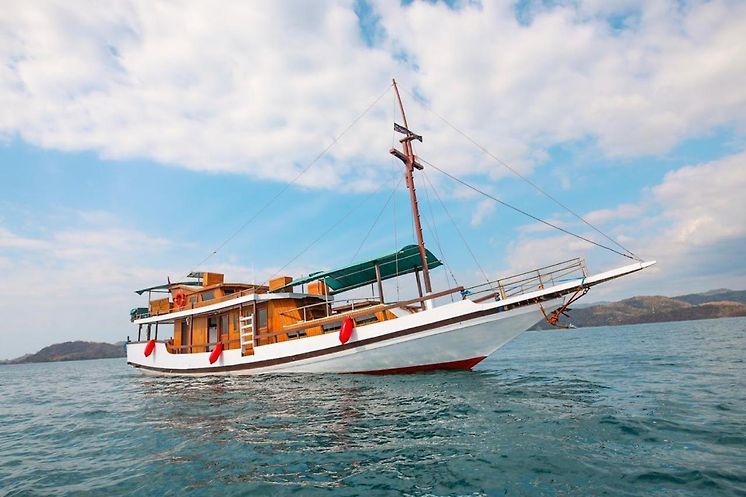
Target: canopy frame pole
{"x":419,"y":286}
{"x":379,"y":281}
{"x":326,"y":297}
{"x":191,"y":334}
{"x":410,"y":163}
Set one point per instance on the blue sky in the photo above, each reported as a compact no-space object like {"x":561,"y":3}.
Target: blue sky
{"x":136,"y":139}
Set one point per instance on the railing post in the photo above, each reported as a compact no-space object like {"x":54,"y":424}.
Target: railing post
{"x":254,"y":326}
{"x":191,"y":334}
{"x":326,"y":298}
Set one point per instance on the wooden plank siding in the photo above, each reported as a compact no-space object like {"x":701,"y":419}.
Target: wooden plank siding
{"x":234,"y":330}
{"x":177,"y":334}
{"x":199,"y":334}
{"x":287,"y":319}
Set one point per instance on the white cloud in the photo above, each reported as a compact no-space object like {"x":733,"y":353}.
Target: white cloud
{"x":705,"y":203}
{"x":239,"y":89}
{"x":484,"y":209}
{"x":623,"y":211}
{"x":78,"y":283}
{"x":75,"y":283}
{"x":693,"y":224}
{"x":260,"y":89}
{"x":9,"y":240}
{"x":568,"y":74}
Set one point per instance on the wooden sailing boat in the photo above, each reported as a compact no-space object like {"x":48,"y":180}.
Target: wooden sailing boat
{"x":303,"y":325}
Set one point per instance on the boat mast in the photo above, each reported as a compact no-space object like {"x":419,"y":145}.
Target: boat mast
{"x":410,"y":164}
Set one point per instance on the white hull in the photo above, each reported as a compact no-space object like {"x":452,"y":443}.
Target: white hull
{"x":452,"y":336}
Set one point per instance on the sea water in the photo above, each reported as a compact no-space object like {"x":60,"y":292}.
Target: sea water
{"x":654,"y":409}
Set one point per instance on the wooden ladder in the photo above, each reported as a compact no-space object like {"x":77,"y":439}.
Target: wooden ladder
{"x":247,"y":334}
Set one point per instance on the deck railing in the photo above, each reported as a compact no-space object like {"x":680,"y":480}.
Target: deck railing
{"x":330,"y":308}
{"x":145,"y":313}
{"x":528,"y":281}
{"x":372,"y":307}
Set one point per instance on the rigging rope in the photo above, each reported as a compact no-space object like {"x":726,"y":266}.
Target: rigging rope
{"x":353,"y":208}
{"x":430,"y":221}
{"x":633,"y":257}
{"x":378,"y":217}
{"x":396,"y":250}
{"x":433,"y":227}
{"x":534,"y":185}
{"x":468,"y":248}
{"x":294,"y":180}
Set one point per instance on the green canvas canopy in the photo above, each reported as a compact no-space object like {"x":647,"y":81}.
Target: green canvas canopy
{"x":405,"y":261}
{"x":166,"y":286}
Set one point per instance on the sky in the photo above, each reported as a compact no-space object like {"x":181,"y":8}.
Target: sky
{"x":139,"y":140}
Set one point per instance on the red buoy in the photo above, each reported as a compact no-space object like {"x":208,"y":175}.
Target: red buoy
{"x":149,"y":348}
{"x":345,"y":331}
{"x":216,"y":353}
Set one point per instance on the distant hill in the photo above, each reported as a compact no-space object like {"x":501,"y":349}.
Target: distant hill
{"x":720,"y":295}
{"x":72,"y":351}
{"x":655,"y":309}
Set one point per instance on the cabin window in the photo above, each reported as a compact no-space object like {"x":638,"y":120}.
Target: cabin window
{"x":331,"y":327}
{"x":297,"y":334}
{"x":208,"y":296}
{"x":212,"y":330}
{"x":193,"y":300}
{"x":262,"y":317}
{"x":365,"y":319}
{"x":235,"y":321}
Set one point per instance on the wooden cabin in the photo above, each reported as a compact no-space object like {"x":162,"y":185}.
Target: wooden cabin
{"x":207,"y":310}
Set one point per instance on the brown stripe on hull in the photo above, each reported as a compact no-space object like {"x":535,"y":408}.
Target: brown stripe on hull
{"x":326,"y":351}
{"x":465,"y":364}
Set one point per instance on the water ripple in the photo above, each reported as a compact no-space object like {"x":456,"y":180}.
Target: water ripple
{"x":609,"y":411}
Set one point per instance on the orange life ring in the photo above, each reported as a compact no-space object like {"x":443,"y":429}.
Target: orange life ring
{"x":179,"y":299}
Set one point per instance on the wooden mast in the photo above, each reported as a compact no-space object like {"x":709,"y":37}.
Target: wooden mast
{"x":410,"y":163}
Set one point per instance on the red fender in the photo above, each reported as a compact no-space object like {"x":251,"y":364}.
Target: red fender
{"x":149,"y":348}
{"x":345,"y":331}
{"x":216,"y":353}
